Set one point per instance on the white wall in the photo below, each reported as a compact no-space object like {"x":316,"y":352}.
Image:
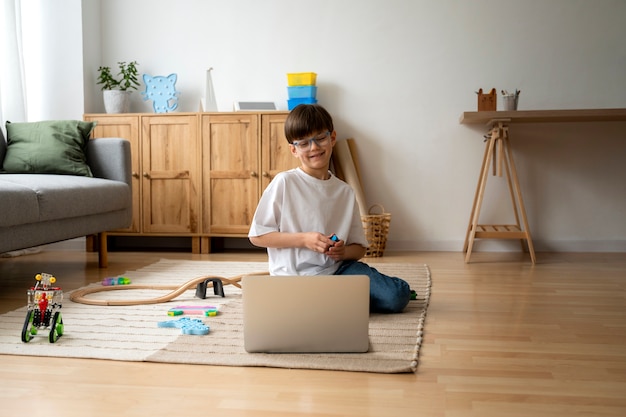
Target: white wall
{"x":396,"y":75}
{"x":91,"y":52}
{"x":53,"y":59}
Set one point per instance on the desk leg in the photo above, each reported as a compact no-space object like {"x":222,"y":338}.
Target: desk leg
{"x":512,"y":172}
{"x":498,"y":149}
{"x":478,"y":198}
{"x":478,"y":187}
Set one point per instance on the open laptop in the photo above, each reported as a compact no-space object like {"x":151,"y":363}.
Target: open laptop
{"x":306,"y":314}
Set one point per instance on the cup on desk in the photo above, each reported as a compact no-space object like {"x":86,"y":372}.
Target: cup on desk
{"x":509,"y":102}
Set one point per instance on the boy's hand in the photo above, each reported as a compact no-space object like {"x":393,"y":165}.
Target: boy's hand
{"x":337,"y":251}
{"x":318,"y":242}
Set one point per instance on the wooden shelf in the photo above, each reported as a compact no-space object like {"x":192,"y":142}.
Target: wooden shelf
{"x":545,"y":116}
{"x":499,"y":231}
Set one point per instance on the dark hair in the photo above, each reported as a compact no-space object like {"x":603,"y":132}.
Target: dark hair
{"x":305,"y":120}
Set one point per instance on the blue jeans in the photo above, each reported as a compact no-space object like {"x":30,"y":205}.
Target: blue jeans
{"x":387,"y":294}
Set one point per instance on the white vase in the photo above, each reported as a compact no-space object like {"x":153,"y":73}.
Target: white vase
{"x":116,"y":101}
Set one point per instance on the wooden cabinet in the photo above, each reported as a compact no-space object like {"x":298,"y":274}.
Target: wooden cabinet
{"x":198,"y":174}
{"x":230,"y":172}
{"x":165,"y":165}
{"x":275,"y":153}
{"x":241,"y":153}
{"x":170,"y":180}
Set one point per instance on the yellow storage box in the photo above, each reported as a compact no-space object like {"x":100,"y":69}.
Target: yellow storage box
{"x":301,"y":78}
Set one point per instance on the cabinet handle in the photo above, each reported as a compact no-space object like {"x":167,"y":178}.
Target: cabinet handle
{"x":253,"y":174}
{"x":266,"y":174}
{"x":146,"y":175}
{"x":135,"y":174}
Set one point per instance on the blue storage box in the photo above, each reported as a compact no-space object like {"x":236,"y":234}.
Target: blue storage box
{"x":293,"y":102}
{"x":303,"y":91}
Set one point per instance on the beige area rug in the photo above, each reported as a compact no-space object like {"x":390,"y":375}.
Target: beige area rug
{"x":131,"y":333}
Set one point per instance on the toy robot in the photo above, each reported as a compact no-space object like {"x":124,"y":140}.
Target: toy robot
{"x":44,"y":305}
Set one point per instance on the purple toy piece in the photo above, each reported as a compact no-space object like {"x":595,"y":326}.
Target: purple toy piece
{"x":115,"y":281}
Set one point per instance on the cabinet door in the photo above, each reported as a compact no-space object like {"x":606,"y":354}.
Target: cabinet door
{"x":275,"y":153}
{"x":230,"y":161}
{"x":169,"y":171}
{"x":126,"y":127}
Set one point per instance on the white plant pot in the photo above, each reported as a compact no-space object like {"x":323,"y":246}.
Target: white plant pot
{"x":116,"y":101}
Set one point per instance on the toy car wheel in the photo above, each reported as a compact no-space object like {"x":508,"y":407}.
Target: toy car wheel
{"x":60,"y":325}
{"x":56,"y":327}
{"x":26,"y":332}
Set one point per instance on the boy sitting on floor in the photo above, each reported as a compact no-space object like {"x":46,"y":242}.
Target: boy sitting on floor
{"x":302,"y":208}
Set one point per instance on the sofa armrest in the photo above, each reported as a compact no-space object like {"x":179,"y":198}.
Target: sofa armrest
{"x":109,"y":158}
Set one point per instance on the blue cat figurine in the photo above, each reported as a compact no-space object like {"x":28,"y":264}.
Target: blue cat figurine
{"x":161,"y":90}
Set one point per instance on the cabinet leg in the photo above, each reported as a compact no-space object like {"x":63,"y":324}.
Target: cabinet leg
{"x":205,"y":244}
{"x":195,"y":244}
{"x":90,"y":244}
{"x":103,"y":254}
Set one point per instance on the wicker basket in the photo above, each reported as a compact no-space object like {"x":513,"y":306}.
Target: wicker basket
{"x":376,"y":228}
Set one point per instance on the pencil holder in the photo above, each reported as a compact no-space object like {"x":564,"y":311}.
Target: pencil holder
{"x":487,"y":101}
{"x":509,"y":102}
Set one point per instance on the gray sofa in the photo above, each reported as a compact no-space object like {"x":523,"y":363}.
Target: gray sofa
{"x":38,"y":209}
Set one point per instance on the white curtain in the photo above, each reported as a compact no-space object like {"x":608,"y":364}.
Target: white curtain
{"x":12,"y":82}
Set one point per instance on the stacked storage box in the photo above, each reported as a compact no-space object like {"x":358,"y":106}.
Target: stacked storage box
{"x":301,"y":88}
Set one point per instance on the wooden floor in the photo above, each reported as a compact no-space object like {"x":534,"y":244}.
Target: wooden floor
{"x":502,"y":338}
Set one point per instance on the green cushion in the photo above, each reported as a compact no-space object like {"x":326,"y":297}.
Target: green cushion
{"x":48,"y":147}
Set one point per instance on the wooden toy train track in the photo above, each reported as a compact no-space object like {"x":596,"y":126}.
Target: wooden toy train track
{"x":200,"y":283}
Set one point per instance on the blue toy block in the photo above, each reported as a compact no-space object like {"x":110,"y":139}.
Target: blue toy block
{"x":187,"y":326}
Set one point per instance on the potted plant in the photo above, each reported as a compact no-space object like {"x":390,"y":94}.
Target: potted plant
{"x":116,"y":91}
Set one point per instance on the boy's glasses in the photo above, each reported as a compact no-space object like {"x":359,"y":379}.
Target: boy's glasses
{"x":305,"y":144}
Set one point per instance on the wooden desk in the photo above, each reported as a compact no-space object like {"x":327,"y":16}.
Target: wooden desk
{"x":498,"y":151}
{"x":544,"y":116}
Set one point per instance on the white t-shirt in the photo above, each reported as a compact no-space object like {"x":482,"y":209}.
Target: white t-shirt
{"x":296,"y":202}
